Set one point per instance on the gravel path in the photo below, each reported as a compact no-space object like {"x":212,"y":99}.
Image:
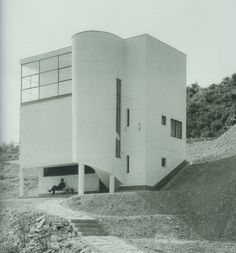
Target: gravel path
{"x":170,"y":245}
{"x":110,"y":244}
{"x":54,"y":207}
{"x":104,"y":244}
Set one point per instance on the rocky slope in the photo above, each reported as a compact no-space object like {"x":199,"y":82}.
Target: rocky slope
{"x":206,"y":151}
{"x":28,"y":230}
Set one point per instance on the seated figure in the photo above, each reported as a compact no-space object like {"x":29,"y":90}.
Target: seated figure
{"x":58,"y":187}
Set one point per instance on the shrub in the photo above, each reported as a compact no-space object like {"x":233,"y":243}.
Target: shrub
{"x":210,"y":111}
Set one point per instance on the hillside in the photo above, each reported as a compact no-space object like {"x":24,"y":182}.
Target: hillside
{"x":212,"y":110}
{"x":9,"y":152}
{"x":198,"y":204}
{"x":210,"y":194}
{"x":9,"y":173}
{"x":195,"y":212}
{"x":216,"y":149}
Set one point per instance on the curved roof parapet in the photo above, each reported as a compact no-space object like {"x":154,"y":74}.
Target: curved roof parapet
{"x":144,"y":34}
{"x":96,"y":31}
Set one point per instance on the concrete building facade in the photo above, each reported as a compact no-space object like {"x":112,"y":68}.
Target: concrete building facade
{"x":105,"y":112}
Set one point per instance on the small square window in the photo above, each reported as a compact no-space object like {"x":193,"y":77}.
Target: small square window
{"x":163,"y":120}
{"x":163,"y":162}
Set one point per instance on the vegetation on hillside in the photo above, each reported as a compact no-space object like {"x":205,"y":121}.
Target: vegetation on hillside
{"x":9,"y":152}
{"x":9,"y":173}
{"x":212,"y":110}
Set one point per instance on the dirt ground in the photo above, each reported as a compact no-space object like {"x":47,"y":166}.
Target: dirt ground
{"x":170,"y":245}
{"x":196,"y":211}
{"x":168,"y":240}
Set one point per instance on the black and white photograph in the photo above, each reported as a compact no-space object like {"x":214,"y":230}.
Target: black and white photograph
{"x":118,"y":126}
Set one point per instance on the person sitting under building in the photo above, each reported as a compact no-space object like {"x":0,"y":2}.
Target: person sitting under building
{"x":58,"y":187}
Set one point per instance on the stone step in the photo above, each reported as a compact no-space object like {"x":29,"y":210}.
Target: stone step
{"x":108,"y":244}
{"x":86,"y":225}
{"x":83,"y":221}
{"x":89,"y":228}
{"x":91,"y":231}
{"x":98,"y":233}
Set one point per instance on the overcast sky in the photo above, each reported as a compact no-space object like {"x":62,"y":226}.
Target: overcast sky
{"x":203,"y":29}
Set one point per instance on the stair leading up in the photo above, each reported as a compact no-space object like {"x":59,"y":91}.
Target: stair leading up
{"x":88,"y":227}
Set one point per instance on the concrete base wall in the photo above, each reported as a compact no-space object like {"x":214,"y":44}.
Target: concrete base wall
{"x":45,"y":183}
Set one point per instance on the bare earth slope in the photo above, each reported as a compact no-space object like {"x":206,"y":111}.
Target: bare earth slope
{"x":200,"y":200}
{"x":205,"y":151}
{"x":199,"y":203}
{"x":208,"y":191}
{"x":196,"y":212}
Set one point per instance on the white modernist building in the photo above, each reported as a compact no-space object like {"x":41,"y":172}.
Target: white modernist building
{"x":104,"y":113}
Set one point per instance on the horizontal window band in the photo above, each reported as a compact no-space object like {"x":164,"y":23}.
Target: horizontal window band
{"x":46,"y":71}
{"x":46,"y":58}
{"x":38,"y":86}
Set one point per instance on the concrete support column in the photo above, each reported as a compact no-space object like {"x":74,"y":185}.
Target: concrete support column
{"x":21,"y":182}
{"x":81,"y":179}
{"x":111,"y":184}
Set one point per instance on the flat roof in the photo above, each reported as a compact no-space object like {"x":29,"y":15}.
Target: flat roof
{"x":46,"y":55}
{"x":148,"y":35}
{"x":69,"y":49}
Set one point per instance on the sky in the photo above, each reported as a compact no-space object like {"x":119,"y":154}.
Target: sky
{"x":204,"y":29}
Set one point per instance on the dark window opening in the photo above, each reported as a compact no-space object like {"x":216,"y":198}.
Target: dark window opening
{"x":117,"y":148}
{"x":65,"y":170}
{"x":163,"y":162}
{"x":118,"y":117}
{"x":163,"y":120}
{"x":127,"y":117}
{"x":176,"y":128}
{"x":127,"y":164}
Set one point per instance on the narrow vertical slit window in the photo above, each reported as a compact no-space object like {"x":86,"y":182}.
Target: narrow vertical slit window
{"x":118,"y":117}
{"x":127,"y":164}
{"x":127,"y":117}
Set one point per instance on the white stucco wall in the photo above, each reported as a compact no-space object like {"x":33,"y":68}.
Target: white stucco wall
{"x":165,"y":95}
{"x":133,"y":97}
{"x":153,"y":84}
{"x":82,"y":128}
{"x":46,"y":133}
{"x":46,"y":183}
{"x":97,"y":60}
